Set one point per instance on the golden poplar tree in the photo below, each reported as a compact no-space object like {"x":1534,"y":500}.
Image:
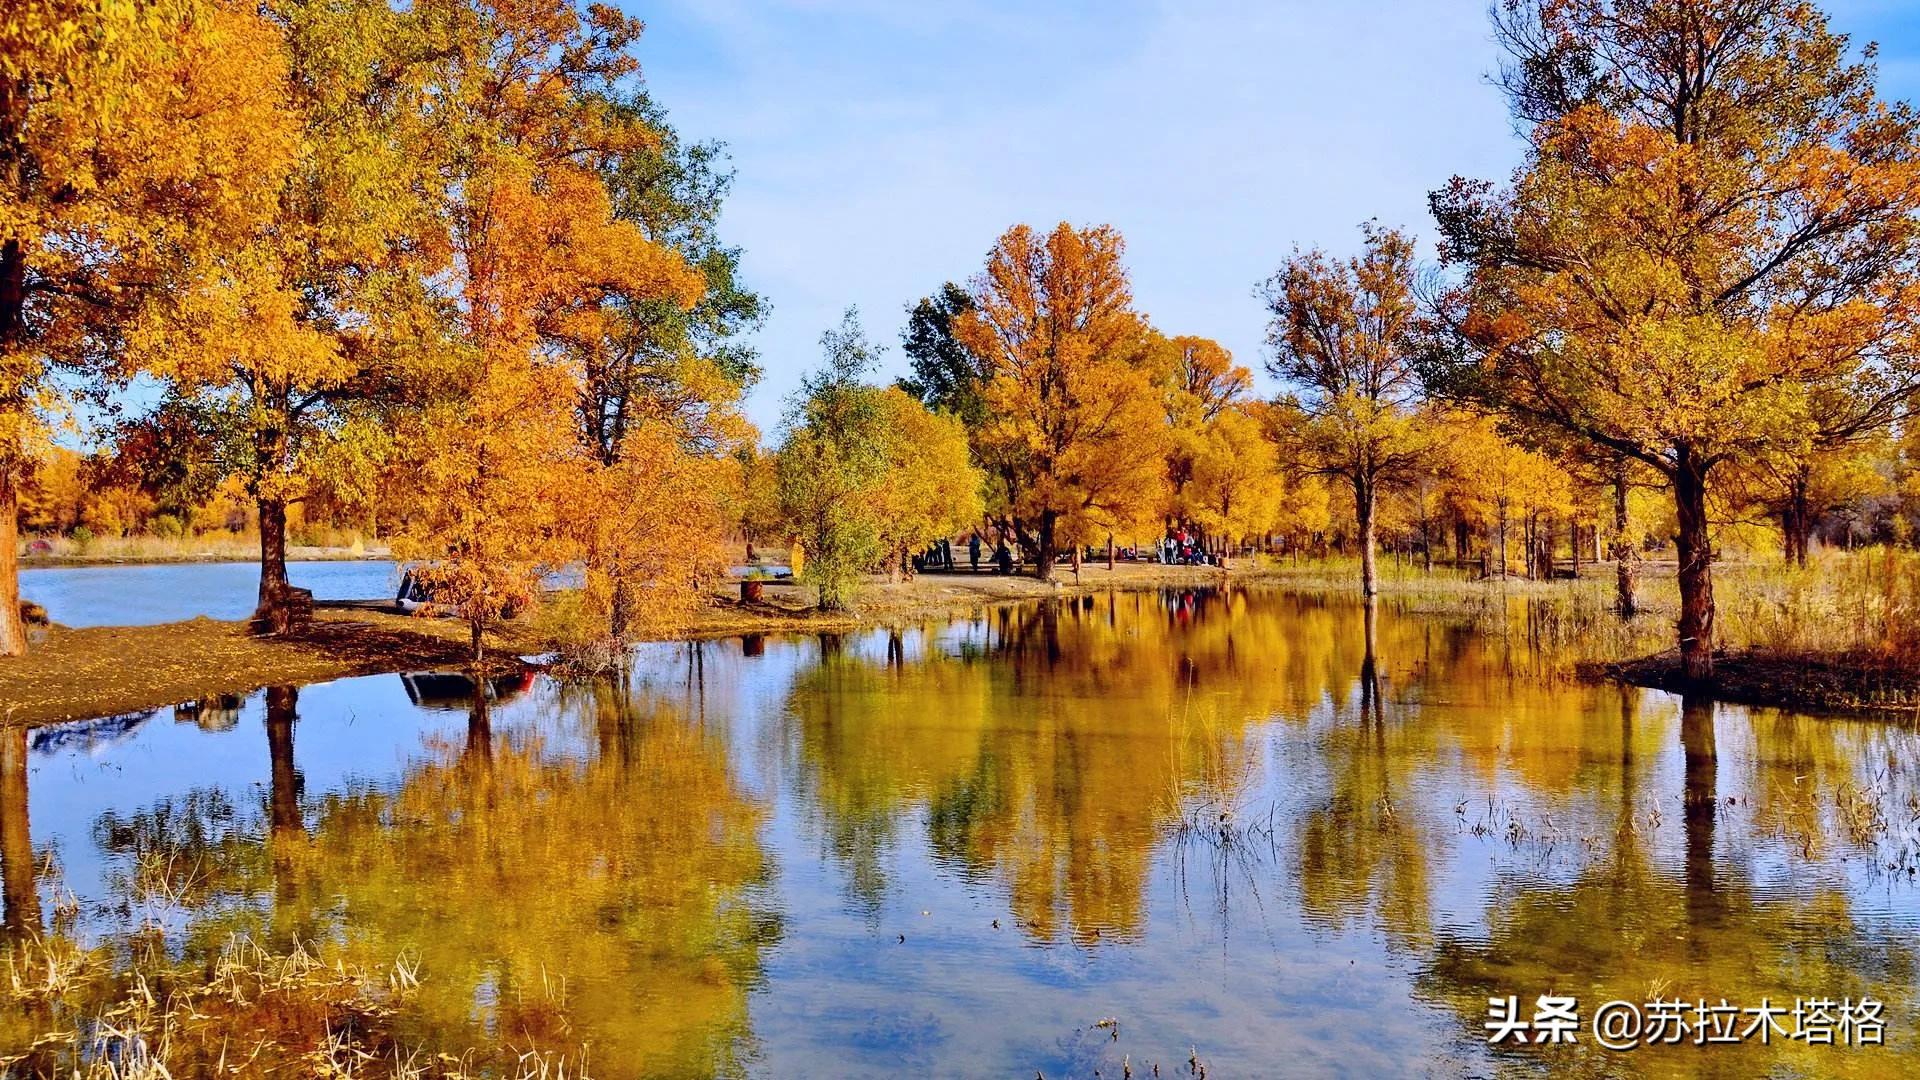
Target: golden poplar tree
{"x":492,"y":475}
{"x":1343,"y":335}
{"x":270,"y":347}
{"x":930,"y":487}
{"x":1236,"y":490}
{"x":1073,"y":439}
{"x":134,"y":138}
{"x":1714,"y":232}
{"x":1199,"y":383}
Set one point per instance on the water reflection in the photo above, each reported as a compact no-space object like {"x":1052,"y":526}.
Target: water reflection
{"x":506,"y":868}
{"x":1276,"y":833}
{"x":19,"y":899}
{"x":1044,"y":751}
{"x":1363,"y":849}
{"x":1626,"y":927}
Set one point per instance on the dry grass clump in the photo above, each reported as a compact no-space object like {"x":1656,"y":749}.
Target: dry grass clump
{"x":1843,"y":602}
{"x":82,"y":1014}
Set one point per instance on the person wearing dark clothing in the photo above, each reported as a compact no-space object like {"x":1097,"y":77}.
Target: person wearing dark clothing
{"x":1003,"y":558}
{"x":973,"y":551}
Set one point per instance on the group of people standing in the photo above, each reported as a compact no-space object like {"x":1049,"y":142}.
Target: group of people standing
{"x":1181,"y":547}
{"x":939,"y":556}
{"x":1184,"y":548}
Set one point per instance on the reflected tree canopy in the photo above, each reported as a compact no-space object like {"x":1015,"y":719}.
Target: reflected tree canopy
{"x":599,"y":863}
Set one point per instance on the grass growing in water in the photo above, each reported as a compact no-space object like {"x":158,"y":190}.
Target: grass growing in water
{"x":72,"y":1012}
{"x":1841,"y":633}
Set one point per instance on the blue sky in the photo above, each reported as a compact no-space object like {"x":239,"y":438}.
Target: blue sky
{"x":882,"y":146}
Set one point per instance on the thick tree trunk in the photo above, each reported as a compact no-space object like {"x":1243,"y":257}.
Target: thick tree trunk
{"x":13,"y":399}
{"x":13,"y":633}
{"x":1623,"y":569}
{"x":1363,"y":514}
{"x":1700,"y":805}
{"x":1043,"y":548}
{"x":620,"y":615}
{"x":272,"y":450}
{"x":273,"y":614}
{"x":1501,"y":555}
{"x":1369,"y":662}
{"x":1797,"y":521}
{"x":479,"y":723}
{"x":1696,"y":569}
{"x":1371,"y":710}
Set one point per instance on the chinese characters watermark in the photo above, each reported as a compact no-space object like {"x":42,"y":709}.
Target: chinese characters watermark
{"x":1626,"y":1025}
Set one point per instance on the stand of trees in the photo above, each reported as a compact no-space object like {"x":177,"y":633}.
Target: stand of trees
{"x":437,"y":267}
{"x":865,"y":475}
{"x":1709,"y":257}
{"x":441,"y":270}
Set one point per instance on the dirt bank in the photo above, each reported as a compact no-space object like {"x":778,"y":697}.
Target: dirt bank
{"x":1856,"y":684}
{"x":100,"y":671}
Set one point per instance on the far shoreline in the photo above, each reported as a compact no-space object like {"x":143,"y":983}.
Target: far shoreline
{"x":294,"y":555}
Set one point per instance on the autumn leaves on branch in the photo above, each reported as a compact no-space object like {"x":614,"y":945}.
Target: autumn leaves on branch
{"x":441,"y":262}
{"x":1704,"y":279}
{"x":1709,"y":262}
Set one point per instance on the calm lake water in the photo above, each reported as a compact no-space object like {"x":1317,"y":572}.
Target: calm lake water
{"x":1219,"y":819}
{"x":146,"y":594}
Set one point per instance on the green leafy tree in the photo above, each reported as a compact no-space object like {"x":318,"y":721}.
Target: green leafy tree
{"x":829,"y":463}
{"x":947,"y":375}
{"x":674,"y":190}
